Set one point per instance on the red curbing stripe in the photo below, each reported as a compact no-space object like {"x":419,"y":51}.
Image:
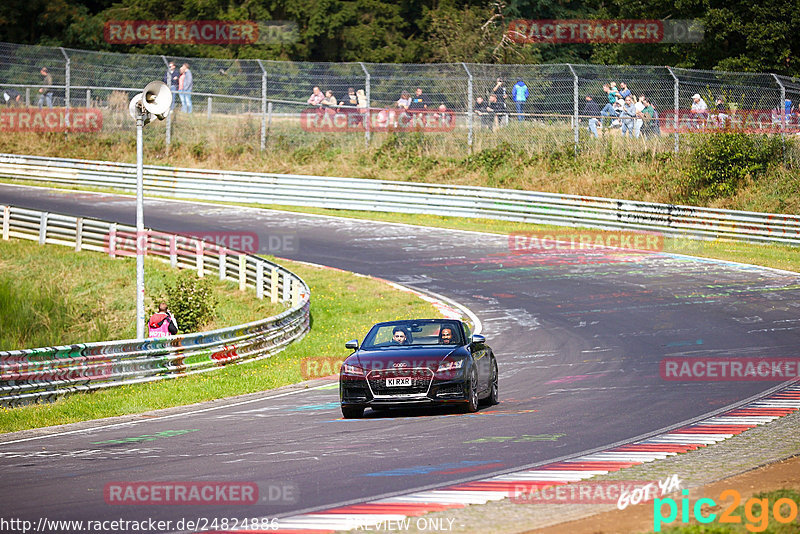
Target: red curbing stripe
{"x":759,"y":410}
{"x":655,"y":447}
{"x":580,"y":465}
{"x":712,"y":431}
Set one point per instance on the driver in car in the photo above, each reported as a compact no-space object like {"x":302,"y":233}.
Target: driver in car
{"x":399,"y":336}
{"x":446,"y":336}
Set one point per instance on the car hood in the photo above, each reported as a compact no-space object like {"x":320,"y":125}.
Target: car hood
{"x":392,"y":358}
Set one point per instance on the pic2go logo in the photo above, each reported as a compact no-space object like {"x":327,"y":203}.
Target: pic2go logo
{"x":756,"y":511}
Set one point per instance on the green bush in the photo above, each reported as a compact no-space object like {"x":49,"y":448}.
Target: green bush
{"x":722,"y":161}
{"x":191,"y":300}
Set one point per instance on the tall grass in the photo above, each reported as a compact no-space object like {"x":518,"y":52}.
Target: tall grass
{"x":536,"y":156}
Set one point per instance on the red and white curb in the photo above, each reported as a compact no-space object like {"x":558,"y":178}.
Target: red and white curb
{"x":680,"y":440}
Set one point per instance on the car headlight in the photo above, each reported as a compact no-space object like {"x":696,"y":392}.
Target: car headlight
{"x":450,"y":365}
{"x":352,"y":370}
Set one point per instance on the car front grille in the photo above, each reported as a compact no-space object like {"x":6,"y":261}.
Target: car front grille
{"x":420,"y":381}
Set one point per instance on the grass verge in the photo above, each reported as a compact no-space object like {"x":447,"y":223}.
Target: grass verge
{"x":526,"y":156}
{"x":336,"y":317}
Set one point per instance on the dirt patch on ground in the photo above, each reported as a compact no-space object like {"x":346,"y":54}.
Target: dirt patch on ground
{"x":634,"y":519}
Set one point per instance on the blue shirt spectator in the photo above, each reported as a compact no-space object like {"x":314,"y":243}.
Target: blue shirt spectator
{"x":520,"y":95}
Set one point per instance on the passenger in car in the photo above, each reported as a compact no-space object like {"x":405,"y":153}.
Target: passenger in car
{"x":446,"y":336}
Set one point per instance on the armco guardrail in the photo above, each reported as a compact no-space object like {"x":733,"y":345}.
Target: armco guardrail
{"x":43,"y":373}
{"x":410,"y":197}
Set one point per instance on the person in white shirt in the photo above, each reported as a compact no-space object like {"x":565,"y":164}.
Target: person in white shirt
{"x":637,"y":124}
{"x":699,"y":111}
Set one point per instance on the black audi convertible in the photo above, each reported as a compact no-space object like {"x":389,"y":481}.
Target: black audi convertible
{"x":418,"y":362}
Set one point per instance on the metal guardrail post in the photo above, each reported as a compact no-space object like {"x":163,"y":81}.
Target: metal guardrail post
{"x":43,"y":228}
{"x":782,"y":111}
{"x":6,"y":221}
{"x":368,"y":114}
{"x":260,"y":280}
{"x":676,"y":87}
{"x":200,"y":251}
{"x":208,"y":109}
{"x":242,"y":272}
{"x":469,"y":105}
{"x":263,"y":105}
{"x":274,"y":286}
{"x":88,"y":98}
{"x":66,"y":85}
{"x":223,"y":260}
{"x":575,"y":106}
{"x":78,"y":234}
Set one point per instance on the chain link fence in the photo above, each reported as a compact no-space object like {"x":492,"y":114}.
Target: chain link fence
{"x":461,"y":107}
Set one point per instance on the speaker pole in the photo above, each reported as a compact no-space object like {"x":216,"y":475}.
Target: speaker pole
{"x":156,"y":100}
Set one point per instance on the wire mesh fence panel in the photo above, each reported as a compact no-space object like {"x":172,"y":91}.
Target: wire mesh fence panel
{"x":457,"y":108}
{"x":21,"y":70}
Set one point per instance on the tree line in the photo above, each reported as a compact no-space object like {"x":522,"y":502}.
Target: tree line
{"x":739,"y":35}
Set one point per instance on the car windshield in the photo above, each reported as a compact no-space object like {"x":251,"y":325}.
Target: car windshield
{"x":413,"y":333}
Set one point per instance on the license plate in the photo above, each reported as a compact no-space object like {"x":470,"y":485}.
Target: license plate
{"x":397,"y":382}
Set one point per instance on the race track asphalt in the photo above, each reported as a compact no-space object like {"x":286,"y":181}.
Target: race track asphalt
{"x":578,"y":334}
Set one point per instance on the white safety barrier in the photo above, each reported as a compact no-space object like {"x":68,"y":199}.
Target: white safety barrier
{"x":411,"y":197}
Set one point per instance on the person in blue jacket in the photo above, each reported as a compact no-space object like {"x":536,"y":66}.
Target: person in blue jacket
{"x":520,"y":95}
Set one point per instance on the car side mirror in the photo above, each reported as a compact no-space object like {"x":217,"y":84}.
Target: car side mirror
{"x":478,"y":339}
{"x":352,"y":344}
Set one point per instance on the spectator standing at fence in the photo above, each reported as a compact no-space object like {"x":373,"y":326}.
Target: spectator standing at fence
{"x":46,"y":92}
{"x":699,"y":111}
{"x":520,"y":93}
{"x":185,"y":86}
{"x":648,"y":114}
{"x":418,"y":103}
{"x":11,"y":97}
{"x":499,"y":90}
{"x":316,"y":97}
{"x":162,"y":323}
{"x":497,"y":108}
{"x":592,"y":112}
{"x":608,"y":110}
{"x":628,"y":117}
{"x":722,"y":112}
{"x":639,"y":121}
{"x":624,"y":92}
{"x":352,"y":99}
{"x":329,"y":102}
{"x":172,"y":79}
{"x":481,"y":111}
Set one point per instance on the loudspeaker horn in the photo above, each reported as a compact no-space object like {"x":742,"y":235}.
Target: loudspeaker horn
{"x":157,"y":99}
{"x":135,"y":105}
